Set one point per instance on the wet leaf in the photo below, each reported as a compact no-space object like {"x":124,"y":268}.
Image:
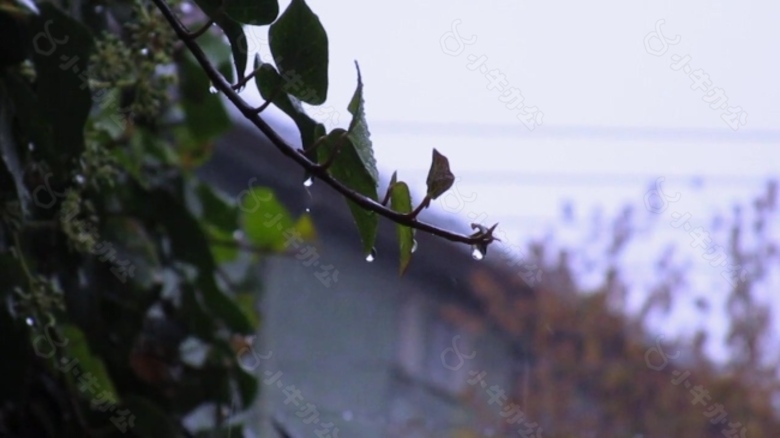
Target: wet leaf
{"x":358,"y":129}
{"x":401,"y":201}
{"x":299,"y":46}
{"x":348,"y":168}
{"x":440,"y":179}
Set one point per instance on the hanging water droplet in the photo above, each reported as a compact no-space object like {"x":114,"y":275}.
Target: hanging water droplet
{"x":372,"y":256}
{"x":241,"y":88}
{"x":414,"y":245}
{"x":308,"y":183}
{"x":30,"y":321}
{"x":347,"y":415}
{"x":144,"y":51}
{"x":308,"y":210}
{"x":80,"y":179}
{"x":477,"y":253}
{"x":213,"y":90}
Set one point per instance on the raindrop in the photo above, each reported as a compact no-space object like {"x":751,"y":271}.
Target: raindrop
{"x":308,"y":210}
{"x":240,"y":89}
{"x":347,"y":415}
{"x":477,"y":253}
{"x":144,"y":51}
{"x":308,"y":183}
{"x":30,"y":321}
{"x":31,"y":147}
{"x":414,"y":245}
{"x":80,"y":179}
{"x":372,"y":256}
{"x":213,"y":90}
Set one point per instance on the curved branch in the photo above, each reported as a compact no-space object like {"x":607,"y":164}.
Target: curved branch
{"x":314,"y":169}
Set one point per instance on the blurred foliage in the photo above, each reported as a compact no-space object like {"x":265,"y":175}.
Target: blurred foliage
{"x":124,"y":296}
{"x":591,"y":367}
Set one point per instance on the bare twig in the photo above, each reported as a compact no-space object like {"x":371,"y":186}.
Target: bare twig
{"x":313,"y":168}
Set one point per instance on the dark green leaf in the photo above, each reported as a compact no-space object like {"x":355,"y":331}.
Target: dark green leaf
{"x":216,"y":209}
{"x":247,"y":386}
{"x":62,"y":48}
{"x":233,"y":31}
{"x":190,"y":245}
{"x":254,"y":12}
{"x":358,"y":129}
{"x":440,"y":179}
{"x":299,"y":46}
{"x":8,"y":147}
{"x":271,"y":85}
{"x":218,"y":53}
{"x":348,"y":168}
{"x":401,"y":201}
{"x":77,"y":348}
{"x":13,"y":29}
{"x":206,"y":117}
{"x":29,"y":115}
{"x":150,"y":419}
{"x":265,"y":225}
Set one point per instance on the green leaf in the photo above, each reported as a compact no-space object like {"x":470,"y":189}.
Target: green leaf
{"x":150,"y":419}
{"x":265,"y":225}
{"x":62,"y":49}
{"x":440,"y":179}
{"x":247,"y":303}
{"x":348,"y":168}
{"x":358,"y":129}
{"x":247,"y":386}
{"x":254,"y":12}
{"x":216,"y":209}
{"x":189,"y":243}
{"x":299,"y":46}
{"x":233,"y":31}
{"x":270,"y":83}
{"x":217,"y":52}
{"x":13,"y":29}
{"x":205,"y":115}
{"x":401,"y":201}
{"x":9,"y":149}
{"x":77,"y":348}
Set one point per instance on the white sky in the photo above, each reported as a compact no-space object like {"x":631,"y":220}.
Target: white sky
{"x":615,"y":116}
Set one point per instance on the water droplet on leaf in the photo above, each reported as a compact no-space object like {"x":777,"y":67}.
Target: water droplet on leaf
{"x":213,"y":90}
{"x":372,"y":256}
{"x":308,"y":183}
{"x":414,"y":245}
{"x":30,"y":321}
{"x":477,"y":253}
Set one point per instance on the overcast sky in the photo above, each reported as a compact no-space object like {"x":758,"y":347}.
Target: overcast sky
{"x":615,"y":117}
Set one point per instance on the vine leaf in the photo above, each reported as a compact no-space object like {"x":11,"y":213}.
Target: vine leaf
{"x":299,"y":46}
{"x":358,"y":129}
{"x":348,"y":168}
{"x":401,"y":201}
{"x":233,"y":31}
{"x":273,"y":86}
{"x":254,"y":12}
{"x":440,"y":179}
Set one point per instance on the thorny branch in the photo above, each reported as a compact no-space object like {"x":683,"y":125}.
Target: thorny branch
{"x":314,"y":169}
